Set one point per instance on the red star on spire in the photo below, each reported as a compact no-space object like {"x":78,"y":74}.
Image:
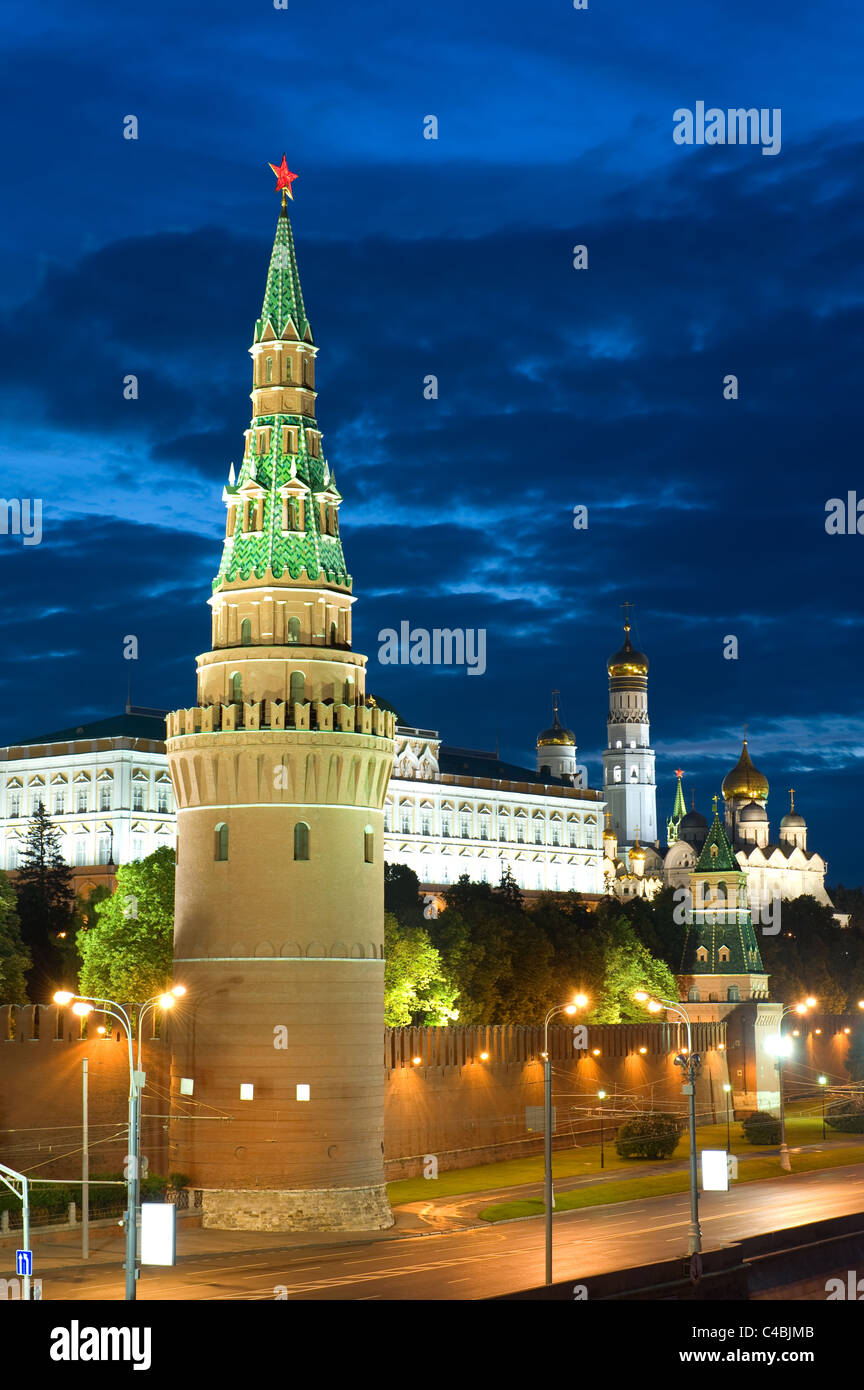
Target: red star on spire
{"x":284,"y":177}
{"x":679,"y":772}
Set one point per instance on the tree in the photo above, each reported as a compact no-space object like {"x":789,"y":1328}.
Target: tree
{"x":15,"y":959}
{"x":45,"y":906}
{"x":654,"y":1135}
{"x":628,"y":966}
{"x":128,"y":954}
{"x":855,"y":1055}
{"x":416,"y":988}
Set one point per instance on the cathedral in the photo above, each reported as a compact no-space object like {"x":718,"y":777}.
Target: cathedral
{"x":635,"y":864}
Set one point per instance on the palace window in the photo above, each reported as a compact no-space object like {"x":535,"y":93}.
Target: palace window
{"x":293,"y":630}
{"x":556,"y":835}
{"x":463,"y":827}
{"x":162,"y":799}
{"x":137,"y":796}
{"x":12,"y":857}
{"x":80,"y":850}
{"x":406,"y":822}
{"x":137,"y":849}
{"x":14,"y":804}
{"x":59,"y":803}
{"x":81,"y":802}
{"x":301,"y":840}
{"x":221,"y":845}
{"x":520,"y":832}
{"x":104,"y":849}
{"x":425,"y":824}
{"x":104,"y":799}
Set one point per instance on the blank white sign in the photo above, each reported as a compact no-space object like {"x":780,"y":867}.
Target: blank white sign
{"x":158,"y":1233}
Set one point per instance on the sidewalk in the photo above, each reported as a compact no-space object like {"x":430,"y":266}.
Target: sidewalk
{"x":55,"y":1250}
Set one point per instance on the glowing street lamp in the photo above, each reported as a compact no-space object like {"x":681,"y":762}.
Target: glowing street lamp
{"x":82,"y":1007}
{"x":601,"y":1096}
{"x":728,"y":1089}
{"x":823,"y":1082}
{"x":690,"y":1063}
{"x":580,"y":1001}
{"x":781,"y":1047}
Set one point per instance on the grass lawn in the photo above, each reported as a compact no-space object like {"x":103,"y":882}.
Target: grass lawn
{"x":801,"y":1128}
{"x":660,"y":1186}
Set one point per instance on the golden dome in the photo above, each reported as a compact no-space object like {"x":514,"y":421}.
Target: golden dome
{"x":627,"y":661}
{"x":745,"y":781}
{"x":637,"y":852}
{"x":557,"y":735}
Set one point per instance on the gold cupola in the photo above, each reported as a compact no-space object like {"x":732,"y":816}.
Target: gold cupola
{"x":627,"y":661}
{"x":745,"y":782}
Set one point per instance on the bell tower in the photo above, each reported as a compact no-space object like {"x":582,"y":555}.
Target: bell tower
{"x":629,"y":789}
{"x":280,"y":770}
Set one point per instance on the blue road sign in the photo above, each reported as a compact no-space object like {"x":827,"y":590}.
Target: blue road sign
{"x":24,"y":1262}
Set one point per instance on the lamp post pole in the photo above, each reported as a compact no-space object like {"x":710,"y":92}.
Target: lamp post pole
{"x":580,"y":1002}
{"x":84,"y":1005}
{"x":690,"y":1066}
{"x":728,"y":1089}
{"x":601,"y":1096}
{"x":823,"y":1082}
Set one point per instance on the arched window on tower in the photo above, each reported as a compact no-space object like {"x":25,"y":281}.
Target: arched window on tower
{"x":369,"y":845}
{"x":301,"y":840}
{"x":293,"y":514}
{"x":268,"y":371}
{"x":293,"y":630}
{"x":236,"y":688}
{"x":298,"y":687}
{"x":246,"y":632}
{"x":693,"y":994}
{"x":616,"y":774}
{"x":348,"y":693}
{"x":733,"y":994}
{"x":332,"y":634}
{"x":634,"y":774}
{"x":220,"y":850}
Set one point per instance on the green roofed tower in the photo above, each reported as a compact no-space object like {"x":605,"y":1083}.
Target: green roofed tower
{"x":283,"y":503}
{"x":280,"y":769}
{"x":679,"y":811}
{"x":721,"y":959}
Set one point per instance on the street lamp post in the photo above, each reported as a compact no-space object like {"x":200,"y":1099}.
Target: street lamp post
{"x":601,"y":1096}
{"x":823,"y":1082}
{"x":690,"y":1065}
{"x":781,"y":1048}
{"x":728,"y":1089}
{"x":578,"y":1003}
{"x":82,"y":1006}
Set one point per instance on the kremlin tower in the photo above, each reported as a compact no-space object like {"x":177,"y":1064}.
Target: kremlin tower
{"x":280,"y":770}
{"x":629,"y":788}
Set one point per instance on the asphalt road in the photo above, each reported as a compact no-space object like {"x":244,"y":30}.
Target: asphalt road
{"x":483,"y":1261}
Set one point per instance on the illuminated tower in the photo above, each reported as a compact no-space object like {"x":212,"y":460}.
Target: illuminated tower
{"x":280,"y":771}
{"x":629,"y":789}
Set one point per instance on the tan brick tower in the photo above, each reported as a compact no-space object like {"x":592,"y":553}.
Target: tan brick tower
{"x":280,"y":772}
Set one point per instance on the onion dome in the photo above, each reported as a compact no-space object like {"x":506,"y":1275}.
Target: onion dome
{"x":752,"y":813}
{"x":792,"y":820}
{"x":627,"y":661}
{"x":694,"y":820}
{"x":637,"y":852}
{"x":745,"y":782}
{"x":557,"y":734}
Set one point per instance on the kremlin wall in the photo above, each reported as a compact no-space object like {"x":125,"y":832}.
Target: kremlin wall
{"x":459,"y":1094}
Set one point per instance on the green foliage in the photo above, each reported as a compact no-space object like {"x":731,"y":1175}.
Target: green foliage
{"x":128,"y":953}
{"x":846,"y":1115}
{"x":813,"y":954}
{"x":15,"y":959}
{"x":416,"y":988}
{"x":648,"y":1136}
{"x":761,"y":1128}
{"x":45,"y":907}
{"x":509,"y":962}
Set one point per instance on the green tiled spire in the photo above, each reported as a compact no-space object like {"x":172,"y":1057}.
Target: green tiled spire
{"x":721,"y":926}
{"x":284,"y":460}
{"x":283,"y":297}
{"x":679,"y":810}
{"x":716,"y":856}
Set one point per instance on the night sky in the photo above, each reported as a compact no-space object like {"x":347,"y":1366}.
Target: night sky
{"x":557,"y":387}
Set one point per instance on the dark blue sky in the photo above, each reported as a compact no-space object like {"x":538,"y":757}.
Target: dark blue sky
{"x":453,"y":257}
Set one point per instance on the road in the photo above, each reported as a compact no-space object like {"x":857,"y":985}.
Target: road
{"x":483,"y":1261}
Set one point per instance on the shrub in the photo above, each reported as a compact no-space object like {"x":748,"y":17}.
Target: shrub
{"x":178,"y":1181}
{"x":847,"y":1115}
{"x":761,"y":1128}
{"x":648,"y":1136}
